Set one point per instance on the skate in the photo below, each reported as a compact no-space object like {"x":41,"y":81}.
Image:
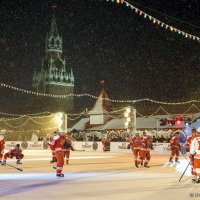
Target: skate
{"x":53,"y":160}
{"x":18,"y":162}
{"x":60,"y":175}
{"x":196,"y":180}
{"x":170,"y":162}
{"x":146,"y":165}
{"x":177,"y":161}
{"x":3,"y":163}
{"x":141,"y":161}
{"x":67,"y":162}
{"x":136,"y":164}
{"x":54,"y":167}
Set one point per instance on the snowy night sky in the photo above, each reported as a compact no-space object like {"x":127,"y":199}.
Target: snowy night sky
{"x":104,"y":41}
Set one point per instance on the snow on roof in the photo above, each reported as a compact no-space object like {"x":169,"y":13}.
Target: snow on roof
{"x":141,"y":123}
{"x":101,"y":104}
{"x":80,"y":125}
{"x":120,"y":124}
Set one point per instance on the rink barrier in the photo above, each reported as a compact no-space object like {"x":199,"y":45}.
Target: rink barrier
{"x":41,"y":145}
{"x":159,"y":148}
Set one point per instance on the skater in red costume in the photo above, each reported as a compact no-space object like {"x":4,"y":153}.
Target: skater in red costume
{"x":189,"y":140}
{"x":14,"y":152}
{"x":68,"y":146}
{"x":2,"y":146}
{"x":195,"y":157}
{"x":175,"y":148}
{"x":136,"y":146}
{"x":53,"y":153}
{"x":58,"y":146}
{"x":146,"y":146}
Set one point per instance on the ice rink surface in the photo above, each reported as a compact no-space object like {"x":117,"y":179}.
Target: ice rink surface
{"x":96,"y":176}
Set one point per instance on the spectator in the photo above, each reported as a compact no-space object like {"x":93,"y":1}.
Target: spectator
{"x":162,"y":139}
{"x":154,"y":138}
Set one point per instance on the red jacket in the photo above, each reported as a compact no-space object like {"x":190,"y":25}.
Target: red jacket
{"x":50,"y":144}
{"x":15,"y":152}
{"x":136,"y":142}
{"x":58,"y":143}
{"x":175,"y":142}
{"x":146,"y":143}
{"x":188,"y":142}
{"x":68,"y":145}
{"x":2,"y":145}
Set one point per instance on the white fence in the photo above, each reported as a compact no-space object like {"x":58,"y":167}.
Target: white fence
{"x":159,"y":148}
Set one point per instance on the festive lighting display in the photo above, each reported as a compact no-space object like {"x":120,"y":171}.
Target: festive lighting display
{"x":156,"y":21}
{"x":95,"y":97}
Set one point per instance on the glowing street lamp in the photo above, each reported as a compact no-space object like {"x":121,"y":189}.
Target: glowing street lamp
{"x":128,"y":110}
{"x":126,"y":114}
{"x":60,"y":120}
{"x":126,"y":124}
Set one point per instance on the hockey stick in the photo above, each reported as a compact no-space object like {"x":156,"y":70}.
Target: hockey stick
{"x":185,"y":171}
{"x":184,"y":156}
{"x":15,"y":167}
{"x":186,"y":168}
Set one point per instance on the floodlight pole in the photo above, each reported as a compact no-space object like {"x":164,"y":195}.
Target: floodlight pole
{"x":65,"y":122}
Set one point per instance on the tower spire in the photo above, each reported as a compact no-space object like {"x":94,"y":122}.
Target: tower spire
{"x":53,"y":29}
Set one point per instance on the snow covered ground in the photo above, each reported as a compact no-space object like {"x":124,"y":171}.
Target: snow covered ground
{"x":98,"y":176}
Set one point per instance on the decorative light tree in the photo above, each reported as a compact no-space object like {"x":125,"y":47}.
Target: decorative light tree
{"x":130,"y":123}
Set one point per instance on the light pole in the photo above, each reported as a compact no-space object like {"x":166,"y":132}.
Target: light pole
{"x":65,"y":123}
{"x":130,"y":123}
{"x":60,"y":120}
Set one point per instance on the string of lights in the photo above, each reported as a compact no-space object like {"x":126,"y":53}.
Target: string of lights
{"x":34,"y":130}
{"x":24,"y":116}
{"x":19,"y":126}
{"x":160,"y":108}
{"x":72,"y":119}
{"x":36,"y":122}
{"x":95,"y":97}
{"x":167,"y":113}
{"x":193,"y":105}
{"x":156,"y":21}
{"x":105,"y":112}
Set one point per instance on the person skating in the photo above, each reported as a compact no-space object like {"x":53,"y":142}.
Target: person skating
{"x":68,"y":147}
{"x":2,"y":146}
{"x":175,"y":148}
{"x":58,"y":146}
{"x":53,"y":154}
{"x":146,"y":146}
{"x":14,"y":152}
{"x":136,"y":146}
{"x":195,"y":157}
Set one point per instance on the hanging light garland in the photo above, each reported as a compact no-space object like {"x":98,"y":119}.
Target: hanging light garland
{"x":53,"y":115}
{"x":157,"y":21}
{"x":95,"y":97}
